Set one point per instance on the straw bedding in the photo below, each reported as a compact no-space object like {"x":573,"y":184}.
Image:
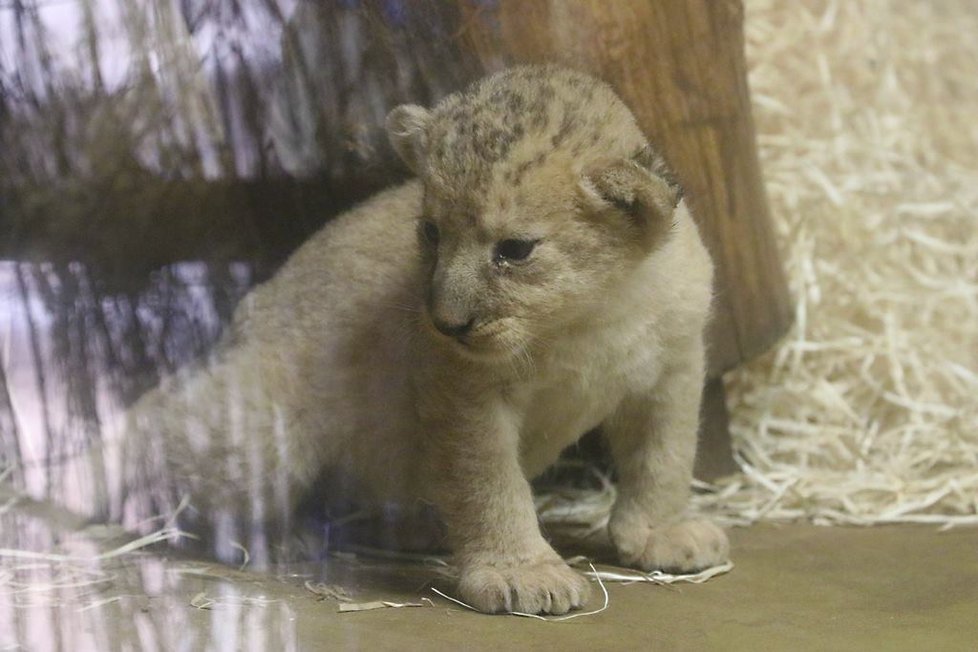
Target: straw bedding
{"x":867,"y":123}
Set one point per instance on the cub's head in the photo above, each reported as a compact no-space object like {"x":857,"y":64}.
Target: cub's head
{"x":540,"y":197}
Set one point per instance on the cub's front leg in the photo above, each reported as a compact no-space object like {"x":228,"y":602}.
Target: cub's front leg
{"x":653,"y":441}
{"x":487,"y":505}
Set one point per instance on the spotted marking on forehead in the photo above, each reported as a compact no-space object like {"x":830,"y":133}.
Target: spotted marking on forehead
{"x":483,"y":132}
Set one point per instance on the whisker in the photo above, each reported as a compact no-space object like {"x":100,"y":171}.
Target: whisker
{"x":405,"y":307}
{"x":522,"y":361}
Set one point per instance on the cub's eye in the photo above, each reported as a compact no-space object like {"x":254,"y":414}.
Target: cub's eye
{"x":513,"y":250}
{"x":429,"y":233}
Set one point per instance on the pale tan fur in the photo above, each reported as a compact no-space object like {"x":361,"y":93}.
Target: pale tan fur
{"x":335,"y":367}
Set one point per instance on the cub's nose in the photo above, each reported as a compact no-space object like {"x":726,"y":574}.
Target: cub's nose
{"x":453,"y":330}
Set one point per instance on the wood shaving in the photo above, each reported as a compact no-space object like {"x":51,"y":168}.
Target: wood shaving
{"x":867,"y":412}
{"x":630,"y":576}
{"x":349,"y":607}
{"x":325,"y":591}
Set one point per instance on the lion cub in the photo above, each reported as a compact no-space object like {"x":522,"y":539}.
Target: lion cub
{"x":446,"y":340}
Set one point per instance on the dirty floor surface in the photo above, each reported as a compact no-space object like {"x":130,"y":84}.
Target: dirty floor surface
{"x":793,"y":588}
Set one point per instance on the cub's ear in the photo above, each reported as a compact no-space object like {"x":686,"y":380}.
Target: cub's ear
{"x":407,"y":127}
{"x":641,"y":187}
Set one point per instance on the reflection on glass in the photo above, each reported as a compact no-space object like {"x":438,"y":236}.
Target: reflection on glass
{"x":157,"y":159}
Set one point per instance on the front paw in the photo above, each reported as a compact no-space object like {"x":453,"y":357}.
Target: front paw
{"x":682,"y":547}
{"x":546,"y":586}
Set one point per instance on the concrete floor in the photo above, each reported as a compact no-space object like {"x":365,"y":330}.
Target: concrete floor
{"x":793,"y":588}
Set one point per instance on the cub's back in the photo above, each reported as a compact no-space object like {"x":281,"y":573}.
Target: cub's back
{"x":348,"y":275}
